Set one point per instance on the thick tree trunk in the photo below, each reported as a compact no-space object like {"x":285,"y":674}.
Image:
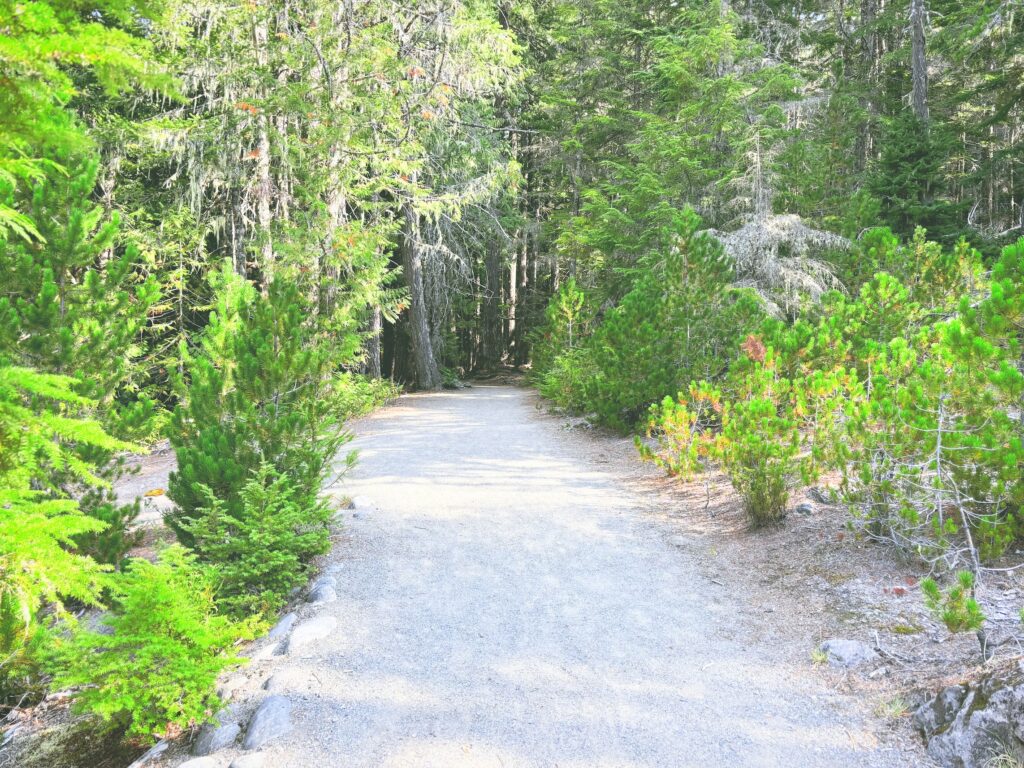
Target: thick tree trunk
{"x":428,"y":375}
{"x":918,"y":61}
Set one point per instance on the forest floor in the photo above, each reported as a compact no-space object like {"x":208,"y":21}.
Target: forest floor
{"x":516,"y":591}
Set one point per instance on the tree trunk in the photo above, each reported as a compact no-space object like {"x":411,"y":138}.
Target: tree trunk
{"x":869,"y":60}
{"x":511,"y":305}
{"x":918,"y":61}
{"x":373,"y":368}
{"x":428,"y":375}
{"x":522,"y":280}
{"x":264,"y":186}
{"x":491,"y":314}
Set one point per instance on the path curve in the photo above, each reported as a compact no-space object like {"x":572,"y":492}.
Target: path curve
{"x":502,"y":602}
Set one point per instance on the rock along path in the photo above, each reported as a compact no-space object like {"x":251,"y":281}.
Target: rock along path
{"x":503,"y":602}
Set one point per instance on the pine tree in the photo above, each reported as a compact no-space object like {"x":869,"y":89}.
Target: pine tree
{"x":909,"y":182}
{"x":75,"y":303}
{"x":271,"y":399}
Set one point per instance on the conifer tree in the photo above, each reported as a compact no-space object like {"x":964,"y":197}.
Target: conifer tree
{"x":74,"y":303}
{"x":271,"y":400}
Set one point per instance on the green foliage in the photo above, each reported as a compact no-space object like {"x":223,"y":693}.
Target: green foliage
{"x":684,"y":432}
{"x":679,"y":322}
{"x":39,"y":567}
{"x":565,"y":381}
{"x":359,"y":395}
{"x":909,"y":183}
{"x":153,"y":669}
{"x":938,"y":470}
{"x":75,"y":303}
{"x":768,"y":431}
{"x":261,"y":554}
{"x":761,"y":457}
{"x":272,"y":396}
{"x":779,"y":432}
{"x":112,"y":543}
{"x":45,"y":42}
{"x":955,"y":607}
{"x":566,"y":324}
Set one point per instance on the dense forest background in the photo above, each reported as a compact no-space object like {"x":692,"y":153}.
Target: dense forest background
{"x":239,"y":225}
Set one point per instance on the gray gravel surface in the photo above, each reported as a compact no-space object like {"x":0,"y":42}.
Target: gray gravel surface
{"x":502,"y":601}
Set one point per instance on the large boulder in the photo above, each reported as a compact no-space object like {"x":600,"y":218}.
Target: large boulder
{"x":967,"y":726}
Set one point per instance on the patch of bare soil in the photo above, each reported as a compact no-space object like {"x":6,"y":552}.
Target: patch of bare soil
{"x":49,"y":735}
{"x":815,"y":577}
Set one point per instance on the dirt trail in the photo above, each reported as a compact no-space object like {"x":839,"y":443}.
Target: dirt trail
{"x":504,"y":602}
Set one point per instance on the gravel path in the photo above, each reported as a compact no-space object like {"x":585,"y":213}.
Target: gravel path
{"x":503,"y":602}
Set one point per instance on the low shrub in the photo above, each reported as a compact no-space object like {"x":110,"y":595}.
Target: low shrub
{"x":683,"y":431}
{"x":564,"y":382}
{"x":261,"y":553}
{"x":153,"y":667}
{"x":39,"y":567}
{"x":760,"y":453}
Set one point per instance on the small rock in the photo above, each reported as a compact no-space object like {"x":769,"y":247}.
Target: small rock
{"x":266,"y":652}
{"x":820,"y":495}
{"x":226,"y":690}
{"x":9,"y":735}
{"x":272,"y":719}
{"x":248,"y":761}
{"x":284,"y":679}
{"x":310,"y":631}
{"x":283,"y":625}
{"x":199,"y":762}
{"x":322,"y":594}
{"x":847,"y":653}
{"x":98,"y":623}
{"x":361,"y":502}
{"x":327,"y":580}
{"x":154,"y":752}
{"x":213,"y":738}
{"x":804,"y":508}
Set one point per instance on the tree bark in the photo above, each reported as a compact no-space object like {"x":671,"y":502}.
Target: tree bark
{"x":869,"y":60}
{"x":373,"y":367}
{"x":918,"y":60}
{"x":522,"y":280}
{"x":264,"y":185}
{"x":491,"y":314}
{"x":428,"y":375}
